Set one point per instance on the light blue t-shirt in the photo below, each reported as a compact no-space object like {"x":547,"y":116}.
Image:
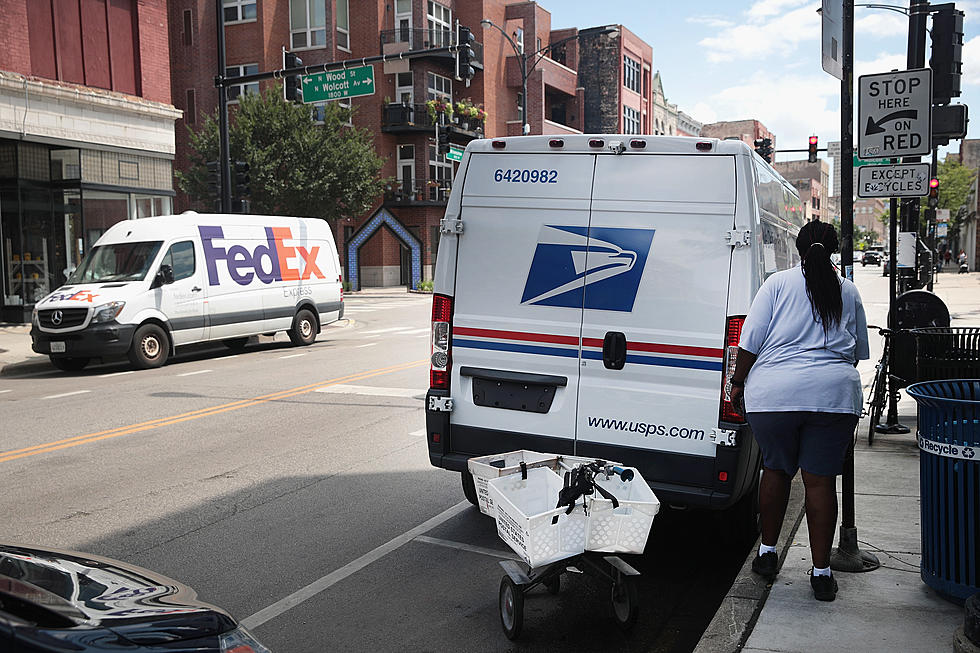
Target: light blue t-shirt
{"x":799,"y":367}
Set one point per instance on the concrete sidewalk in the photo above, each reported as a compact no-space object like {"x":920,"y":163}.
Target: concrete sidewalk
{"x":16,"y":356}
{"x":889,"y":609}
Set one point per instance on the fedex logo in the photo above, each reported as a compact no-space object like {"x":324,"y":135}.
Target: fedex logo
{"x":80,"y":296}
{"x":244,"y":266}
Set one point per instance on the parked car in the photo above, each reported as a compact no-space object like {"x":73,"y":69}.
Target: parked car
{"x":55,"y":601}
{"x":871,"y":258}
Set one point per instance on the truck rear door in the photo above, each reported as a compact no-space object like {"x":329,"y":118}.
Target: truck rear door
{"x":517,"y":311}
{"x":655,"y":305}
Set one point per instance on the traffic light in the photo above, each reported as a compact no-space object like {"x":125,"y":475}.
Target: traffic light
{"x":292,"y":89}
{"x":214,"y":179}
{"x":464,"y":54}
{"x":947,"y":54}
{"x":933,"y":193}
{"x":242,"y":180}
{"x":812,"y":151}
{"x":442,"y":139}
{"x":763,"y":147}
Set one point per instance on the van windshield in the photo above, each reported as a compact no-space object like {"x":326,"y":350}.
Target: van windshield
{"x":117,"y":262}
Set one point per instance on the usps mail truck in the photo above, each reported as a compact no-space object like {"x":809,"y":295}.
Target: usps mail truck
{"x":589,"y":295}
{"x":150,"y":285}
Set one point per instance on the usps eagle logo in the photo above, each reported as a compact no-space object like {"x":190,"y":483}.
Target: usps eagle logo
{"x":598,"y":268}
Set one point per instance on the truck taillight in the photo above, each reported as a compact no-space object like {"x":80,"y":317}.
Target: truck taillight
{"x":441,"y":359}
{"x":733,"y":333}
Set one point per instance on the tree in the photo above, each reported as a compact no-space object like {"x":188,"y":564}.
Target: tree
{"x":955,"y":189}
{"x":297,"y":167}
{"x":860,"y":237}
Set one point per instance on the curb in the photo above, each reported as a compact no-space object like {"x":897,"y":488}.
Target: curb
{"x":736,"y":616}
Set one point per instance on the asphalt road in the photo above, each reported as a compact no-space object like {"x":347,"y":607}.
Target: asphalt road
{"x":291,"y":486}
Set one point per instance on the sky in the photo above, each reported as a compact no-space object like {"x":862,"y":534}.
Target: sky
{"x":733,"y":60}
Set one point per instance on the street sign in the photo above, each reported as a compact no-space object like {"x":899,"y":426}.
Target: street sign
{"x":895,"y":113}
{"x":870,"y":162}
{"x":942,"y":230}
{"x":899,"y":180}
{"x":454,"y":153}
{"x":338,"y":84}
{"x":831,"y":37}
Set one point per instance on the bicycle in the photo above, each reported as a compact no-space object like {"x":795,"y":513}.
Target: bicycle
{"x":878,"y":395}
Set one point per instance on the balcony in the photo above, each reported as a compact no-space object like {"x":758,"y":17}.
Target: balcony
{"x":394,"y":41}
{"x":418,"y":192}
{"x":408,"y":118}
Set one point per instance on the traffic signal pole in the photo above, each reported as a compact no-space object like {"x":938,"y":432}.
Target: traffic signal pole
{"x":224,"y":148}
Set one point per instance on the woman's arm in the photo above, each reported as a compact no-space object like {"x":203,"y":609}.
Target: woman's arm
{"x":743,"y":363}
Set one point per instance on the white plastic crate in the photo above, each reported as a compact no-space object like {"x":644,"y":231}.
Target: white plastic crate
{"x":485,"y":468}
{"x":623,"y":529}
{"x":529,"y":522}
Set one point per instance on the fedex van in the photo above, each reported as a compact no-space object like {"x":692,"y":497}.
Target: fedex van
{"x":150,"y":285}
{"x":589,"y":296}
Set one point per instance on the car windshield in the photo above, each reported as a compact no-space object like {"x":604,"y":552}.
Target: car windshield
{"x":116,"y":262}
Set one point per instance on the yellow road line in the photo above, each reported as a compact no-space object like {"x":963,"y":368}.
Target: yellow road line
{"x":196,"y":414}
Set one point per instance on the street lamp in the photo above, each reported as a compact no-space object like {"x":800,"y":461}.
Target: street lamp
{"x":534,"y":57}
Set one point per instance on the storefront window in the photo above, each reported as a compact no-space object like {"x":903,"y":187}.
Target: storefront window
{"x":65,"y":165}
{"x":150,"y":205}
{"x":102,"y":209}
{"x":41,"y":246}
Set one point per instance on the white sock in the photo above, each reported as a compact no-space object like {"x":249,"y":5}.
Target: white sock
{"x":765,"y":548}
{"x":821,"y":572}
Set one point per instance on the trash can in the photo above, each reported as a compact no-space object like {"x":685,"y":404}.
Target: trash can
{"x":949,"y":484}
{"x":947,"y":353}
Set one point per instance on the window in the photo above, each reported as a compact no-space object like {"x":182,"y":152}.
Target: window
{"x":190,"y":108}
{"x":519,"y":39}
{"x":180,"y":257}
{"x":343,"y":25}
{"x":238,"y":89}
{"x":239,"y":10}
{"x":440,"y":25}
{"x":406,"y":167}
{"x":631,"y":73}
{"x":439,"y":87}
{"x":403,"y":20}
{"x":404,"y":92}
{"x":631,"y":121}
{"x":538,"y":42}
{"x":308,"y":23}
{"x":440,"y":177}
{"x":188,"y":22}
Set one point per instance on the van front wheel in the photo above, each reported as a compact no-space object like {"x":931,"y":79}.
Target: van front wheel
{"x":303,"y":331}
{"x":150,"y":347}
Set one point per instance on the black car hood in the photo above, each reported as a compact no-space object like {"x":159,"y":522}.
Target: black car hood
{"x":140,"y":605}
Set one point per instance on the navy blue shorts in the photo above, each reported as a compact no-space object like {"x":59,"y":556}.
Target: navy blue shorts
{"x":814,"y":442}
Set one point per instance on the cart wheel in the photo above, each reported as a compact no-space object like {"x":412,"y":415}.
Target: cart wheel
{"x":625,"y":602}
{"x":553,"y":585}
{"x":511,"y":608}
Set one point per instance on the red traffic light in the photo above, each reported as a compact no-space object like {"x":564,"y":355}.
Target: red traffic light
{"x":933,"y":183}
{"x":814,"y":140}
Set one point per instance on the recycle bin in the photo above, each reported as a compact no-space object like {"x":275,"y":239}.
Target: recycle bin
{"x":949,"y":484}
{"x":947,"y":353}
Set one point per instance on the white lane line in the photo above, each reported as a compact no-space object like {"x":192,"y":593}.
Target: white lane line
{"x":369,"y":390}
{"x":231,"y":356}
{"x":372,"y":337}
{"x":66,"y":394}
{"x":193,"y":373}
{"x":460,"y":546}
{"x":370,"y":344}
{"x":418,"y":433}
{"x":292,"y":356}
{"x":389,"y":330}
{"x":5,"y":391}
{"x":414,"y":331}
{"x":106,"y":376}
{"x":334,"y":577}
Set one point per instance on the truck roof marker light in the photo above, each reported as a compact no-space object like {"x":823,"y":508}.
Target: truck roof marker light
{"x":596,"y":142}
{"x":638,"y":144}
{"x":703,"y":146}
{"x":499,"y":145}
{"x":556,"y":142}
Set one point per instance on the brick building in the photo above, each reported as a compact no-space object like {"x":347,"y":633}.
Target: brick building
{"x":968,"y":237}
{"x":744,"y":130}
{"x":687,"y":126}
{"x":812,"y":181}
{"x":866,"y":213}
{"x":396,"y":242}
{"x":86,"y":133}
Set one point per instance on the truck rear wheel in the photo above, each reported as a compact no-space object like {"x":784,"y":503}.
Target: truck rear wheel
{"x":69,"y":364}
{"x":469,"y":487}
{"x":150,"y":347}
{"x":304,"y":328}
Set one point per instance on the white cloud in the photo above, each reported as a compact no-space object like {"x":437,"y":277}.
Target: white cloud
{"x":762,"y":9}
{"x":880,"y":24}
{"x":710,"y":21}
{"x":882,"y":63}
{"x":971,"y":61}
{"x":703,"y":112}
{"x":758,"y":40}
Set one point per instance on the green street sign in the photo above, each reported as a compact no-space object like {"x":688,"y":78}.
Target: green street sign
{"x":338,"y":84}
{"x":862,"y":162}
{"x":454,"y":153}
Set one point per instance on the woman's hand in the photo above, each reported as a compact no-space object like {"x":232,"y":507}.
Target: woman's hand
{"x":737,"y":394}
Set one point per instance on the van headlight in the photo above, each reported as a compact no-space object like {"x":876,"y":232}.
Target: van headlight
{"x":34,"y":319}
{"x":107,"y":312}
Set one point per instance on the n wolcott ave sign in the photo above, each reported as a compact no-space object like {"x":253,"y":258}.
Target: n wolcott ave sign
{"x":338,"y":84}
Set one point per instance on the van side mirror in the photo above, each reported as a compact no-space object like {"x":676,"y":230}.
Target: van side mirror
{"x":164,"y":276}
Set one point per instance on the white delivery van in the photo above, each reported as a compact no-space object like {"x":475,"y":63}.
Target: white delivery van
{"x":589,"y":295}
{"x":150,"y":285}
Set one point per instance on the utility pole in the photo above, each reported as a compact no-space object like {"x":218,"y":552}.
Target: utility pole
{"x":224,"y":153}
{"x":916,"y":58}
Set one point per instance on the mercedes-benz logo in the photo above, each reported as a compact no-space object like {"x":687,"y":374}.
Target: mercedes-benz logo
{"x":56,"y":318}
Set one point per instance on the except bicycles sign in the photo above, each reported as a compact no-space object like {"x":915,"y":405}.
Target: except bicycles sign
{"x":899,"y":180}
